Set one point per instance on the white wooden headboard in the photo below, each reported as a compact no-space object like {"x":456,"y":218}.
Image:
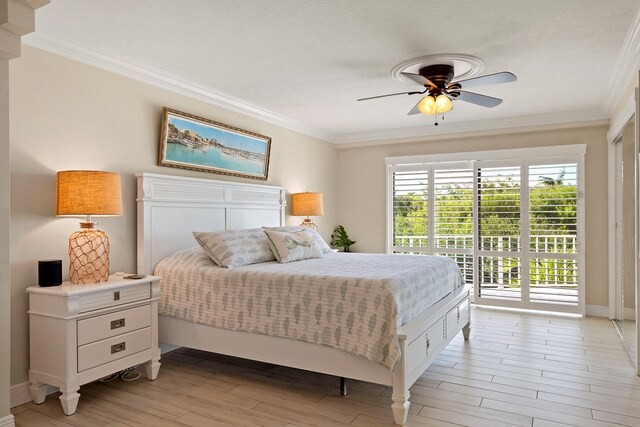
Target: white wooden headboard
{"x":170,"y":208}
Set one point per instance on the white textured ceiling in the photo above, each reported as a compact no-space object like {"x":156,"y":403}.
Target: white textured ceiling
{"x":309,"y":60}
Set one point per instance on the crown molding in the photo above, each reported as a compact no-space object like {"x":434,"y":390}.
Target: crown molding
{"x":474,"y":128}
{"x":619,"y":122}
{"x":62,"y":45}
{"x":626,"y":67}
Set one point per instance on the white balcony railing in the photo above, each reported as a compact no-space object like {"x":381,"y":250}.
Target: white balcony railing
{"x":546,"y":269}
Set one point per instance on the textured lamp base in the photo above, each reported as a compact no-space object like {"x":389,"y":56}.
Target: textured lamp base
{"x":88,"y":255}
{"x":307,"y":223}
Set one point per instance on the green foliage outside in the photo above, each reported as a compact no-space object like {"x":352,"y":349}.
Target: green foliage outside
{"x":552,"y":204}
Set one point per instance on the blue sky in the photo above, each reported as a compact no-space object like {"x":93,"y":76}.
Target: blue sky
{"x":225,"y":137}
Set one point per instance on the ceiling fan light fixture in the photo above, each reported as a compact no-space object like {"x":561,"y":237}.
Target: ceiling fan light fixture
{"x":428,"y":105}
{"x":443,"y":103}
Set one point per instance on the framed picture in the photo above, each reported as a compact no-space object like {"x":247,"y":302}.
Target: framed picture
{"x":196,"y":143}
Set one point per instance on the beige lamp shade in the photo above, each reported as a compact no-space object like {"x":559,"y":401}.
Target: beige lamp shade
{"x":88,"y":193}
{"x":307,"y":204}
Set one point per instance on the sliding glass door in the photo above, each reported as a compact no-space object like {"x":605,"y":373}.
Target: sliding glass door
{"x":513,"y":226}
{"x":528,"y":234}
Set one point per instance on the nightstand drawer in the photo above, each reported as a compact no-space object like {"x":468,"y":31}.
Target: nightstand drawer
{"x":105,"y":351}
{"x":100,"y":327}
{"x":112,"y":297}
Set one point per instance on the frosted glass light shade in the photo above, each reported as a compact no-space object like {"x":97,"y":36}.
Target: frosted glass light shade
{"x":88,"y":193}
{"x":427,"y":105}
{"x":307,"y":204}
{"x":443,"y":103}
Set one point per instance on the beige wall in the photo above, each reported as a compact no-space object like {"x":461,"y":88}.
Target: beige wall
{"x":67,"y":115}
{"x":362,"y":195}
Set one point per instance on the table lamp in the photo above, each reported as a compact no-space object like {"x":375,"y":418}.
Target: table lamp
{"x":90,"y":193}
{"x":307,"y":204}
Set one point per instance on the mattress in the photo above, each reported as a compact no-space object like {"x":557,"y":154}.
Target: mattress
{"x":350,"y":301}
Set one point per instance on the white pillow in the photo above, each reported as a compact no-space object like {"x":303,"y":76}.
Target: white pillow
{"x":295,"y":246}
{"x":235,"y":248}
{"x":324,"y":247}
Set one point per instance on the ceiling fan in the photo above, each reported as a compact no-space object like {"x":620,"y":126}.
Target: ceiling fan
{"x":440,"y":90}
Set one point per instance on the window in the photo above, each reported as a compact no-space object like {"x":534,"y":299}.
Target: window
{"x":510,"y":219}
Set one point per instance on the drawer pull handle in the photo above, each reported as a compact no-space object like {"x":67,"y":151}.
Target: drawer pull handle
{"x":428,"y":344}
{"x":119,"y":323}
{"x":117,"y":348}
{"x":458,"y":314}
{"x":116,"y":296}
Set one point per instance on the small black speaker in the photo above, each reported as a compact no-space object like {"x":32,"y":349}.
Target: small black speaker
{"x":50,"y":272}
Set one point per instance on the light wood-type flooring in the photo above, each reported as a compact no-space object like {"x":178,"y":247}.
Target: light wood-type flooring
{"x":517,"y":369}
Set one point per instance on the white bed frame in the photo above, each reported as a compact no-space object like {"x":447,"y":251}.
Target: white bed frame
{"x":171,"y":207}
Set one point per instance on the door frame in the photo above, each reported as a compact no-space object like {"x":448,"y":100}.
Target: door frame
{"x":613,"y":136}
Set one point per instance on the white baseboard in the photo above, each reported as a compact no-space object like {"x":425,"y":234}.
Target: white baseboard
{"x":20,"y":394}
{"x":7,"y":421}
{"x":603,"y":311}
{"x":597,"y":310}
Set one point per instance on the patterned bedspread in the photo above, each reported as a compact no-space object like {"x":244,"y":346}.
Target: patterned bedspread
{"x":352,"y":302}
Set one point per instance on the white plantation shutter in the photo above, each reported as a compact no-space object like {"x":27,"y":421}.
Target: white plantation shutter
{"x":410,"y":211}
{"x":553,"y":232}
{"x":453,"y":216}
{"x":499,"y":232}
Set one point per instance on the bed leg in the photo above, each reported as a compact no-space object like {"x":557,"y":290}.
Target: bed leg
{"x":400,"y":395}
{"x":400,"y":406}
{"x":466,"y":330}
{"x":343,"y":386}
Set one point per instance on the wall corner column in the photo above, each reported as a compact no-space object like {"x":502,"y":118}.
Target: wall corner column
{"x":17,"y":18}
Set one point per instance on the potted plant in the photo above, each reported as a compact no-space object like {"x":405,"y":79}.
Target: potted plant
{"x":341,"y":239}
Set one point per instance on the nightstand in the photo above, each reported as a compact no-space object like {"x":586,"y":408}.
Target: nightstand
{"x":80,"y":333}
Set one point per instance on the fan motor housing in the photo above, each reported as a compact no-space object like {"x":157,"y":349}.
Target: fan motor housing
{"x":438,"y":74}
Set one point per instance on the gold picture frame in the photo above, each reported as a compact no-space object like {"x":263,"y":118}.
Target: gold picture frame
{"x":196,"y":143}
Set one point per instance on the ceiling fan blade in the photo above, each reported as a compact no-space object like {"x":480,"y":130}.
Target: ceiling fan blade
{"x":415,"y":109}
{"x":489,"y":79}
{"x":421,"y":80}
{"x":389,"y":94}
{"x":476,"y":98}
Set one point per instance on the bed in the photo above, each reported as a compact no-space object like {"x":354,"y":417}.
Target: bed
{"x":170,"y":208}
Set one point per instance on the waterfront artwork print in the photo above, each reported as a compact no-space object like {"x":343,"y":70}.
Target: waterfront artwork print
{"x":196,"y":143}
